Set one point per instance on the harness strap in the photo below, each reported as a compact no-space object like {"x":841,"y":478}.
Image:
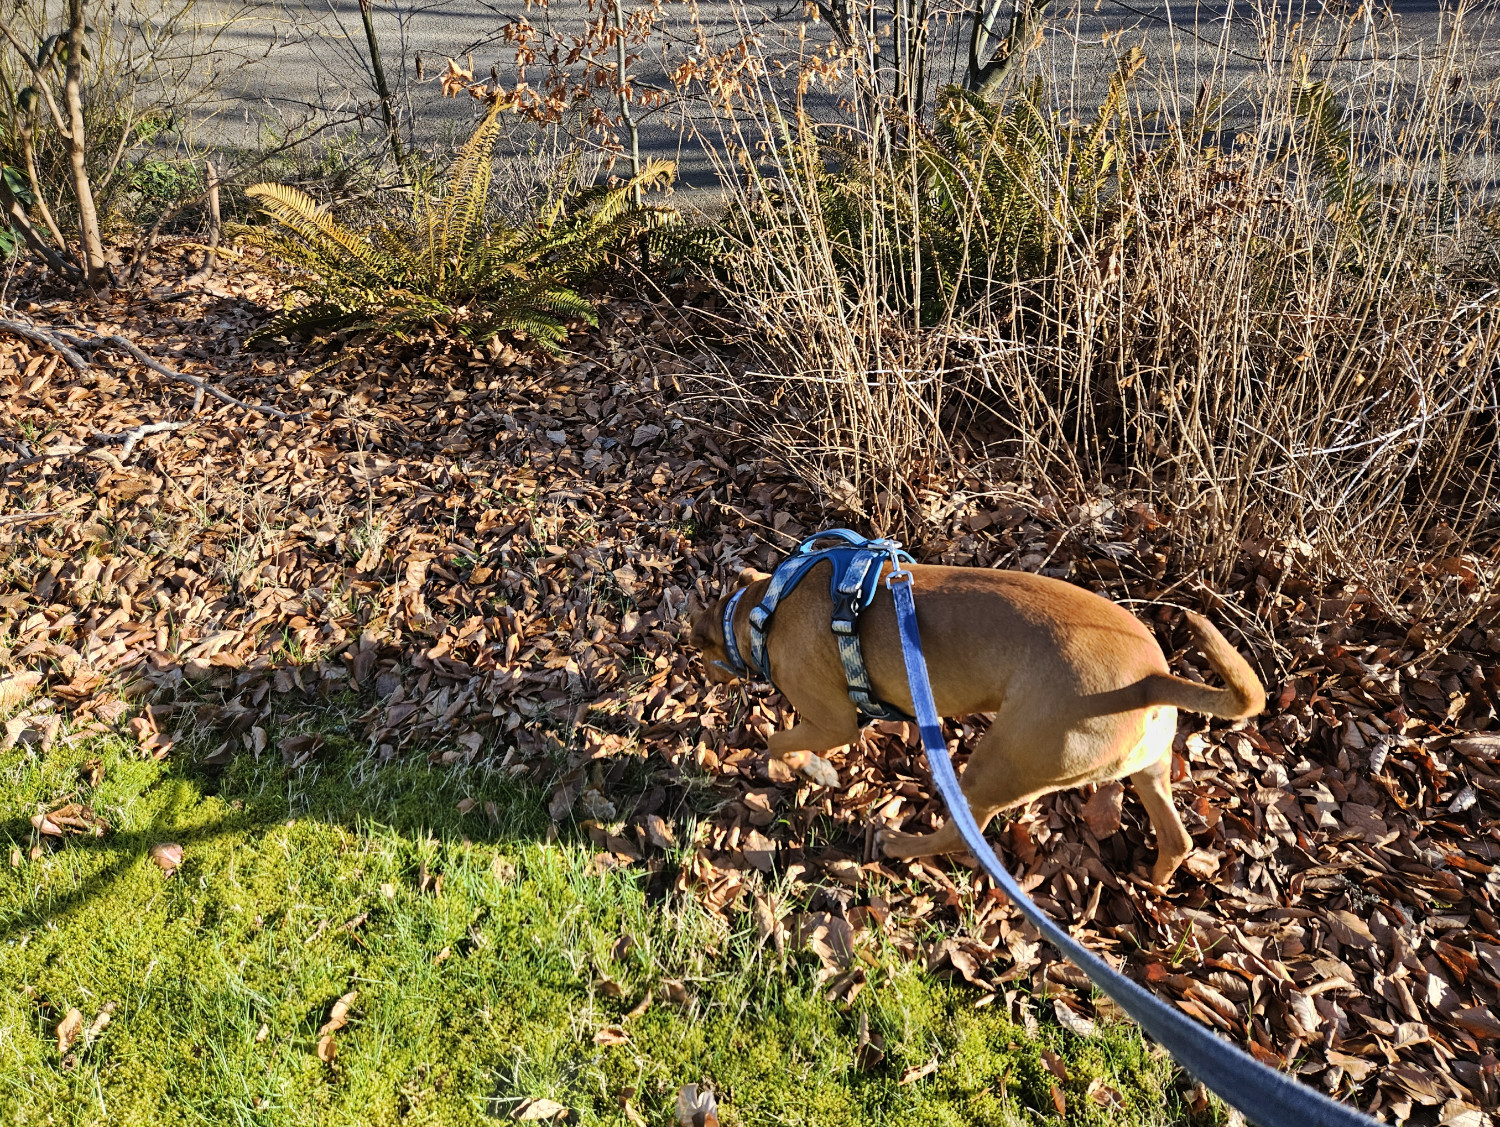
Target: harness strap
{"x":853,"y":591}
{"x":854,"y":585}
{"x":1264,"y":1095}
{"x":731,"y":643}
{"x":783,"y":579}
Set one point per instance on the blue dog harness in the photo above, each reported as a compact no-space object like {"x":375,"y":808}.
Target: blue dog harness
{"x":857,"y":563}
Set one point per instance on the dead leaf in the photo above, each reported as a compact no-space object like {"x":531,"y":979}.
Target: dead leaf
{"x":912,"y":1075}
{"x":1105,"y":1096}
{"x":17,"y":687}
{"x":659,"y":833}
{"x":869,"y":1048}
{"x":611,"y":1035}
{"x":327,"y":1048}
{"x":1071,"y":1020}
{"x":74,"y":818}
{"x":166,"y":856}
{"x":696,"y":1107}
{"x":1477,"y":1020}
{"x":540,"y":1108}
{"x":68,"y":1030}
{"x":338,"y":1015}
{"x":1102,"y":811}
{"x":101,"y":1020}
{"x":1055,"y":1065}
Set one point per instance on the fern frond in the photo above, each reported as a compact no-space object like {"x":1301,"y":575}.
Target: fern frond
{"x":302,"y":215}
{"x":468,"y":186}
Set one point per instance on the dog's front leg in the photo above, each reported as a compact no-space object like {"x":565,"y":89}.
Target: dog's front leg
{"x":795,"y":746}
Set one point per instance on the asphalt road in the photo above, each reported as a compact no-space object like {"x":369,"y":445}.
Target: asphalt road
{"x":289,"y":65}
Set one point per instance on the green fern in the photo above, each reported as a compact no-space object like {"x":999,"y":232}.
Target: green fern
{"x":999,"y":188}
{"x":443,"y":266}
{"x":1327,"y":142}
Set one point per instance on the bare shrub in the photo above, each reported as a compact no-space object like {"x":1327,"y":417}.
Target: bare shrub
{"x":93,"y":100}
{"x":1289,"y":338}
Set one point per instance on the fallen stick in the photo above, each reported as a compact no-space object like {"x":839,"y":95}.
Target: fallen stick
{"x":42,"y":337}
{"x":125,"y":345}
{"x":59,"y":340}
{"x":24,"y":518}
{"x":131,"y":437}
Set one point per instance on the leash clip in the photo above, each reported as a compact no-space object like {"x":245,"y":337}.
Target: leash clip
{"x":892,"y":548}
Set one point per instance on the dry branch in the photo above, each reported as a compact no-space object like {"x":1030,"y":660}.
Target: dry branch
{"x":47,"y":340}
{"x":131,"y":437}
{"x":59,"y":340}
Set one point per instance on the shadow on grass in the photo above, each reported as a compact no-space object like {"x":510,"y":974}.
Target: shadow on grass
{"x":342,"y":785}
{"x":531,"y":975}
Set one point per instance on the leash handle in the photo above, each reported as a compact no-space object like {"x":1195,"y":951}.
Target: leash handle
{"x":1265,"y":1096}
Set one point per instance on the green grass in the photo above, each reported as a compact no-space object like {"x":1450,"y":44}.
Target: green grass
{"x":249,"y":934}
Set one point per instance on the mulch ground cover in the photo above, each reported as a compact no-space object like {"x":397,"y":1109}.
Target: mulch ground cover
{"x":495,"y":549}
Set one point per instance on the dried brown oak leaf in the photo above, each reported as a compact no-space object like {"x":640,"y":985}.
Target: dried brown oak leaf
{"x":166,"y":856}
{"x":17,"y":687}
{"x":1102,"y":811}
{"x":74,"y":818}
{"x":540,"y":1108}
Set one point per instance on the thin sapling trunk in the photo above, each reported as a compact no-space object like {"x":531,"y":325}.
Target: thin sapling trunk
{"x":90,"y":242}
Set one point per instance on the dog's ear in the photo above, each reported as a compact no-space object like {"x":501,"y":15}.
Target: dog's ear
{"x":748,"y":576}
{"x":693,"y":607}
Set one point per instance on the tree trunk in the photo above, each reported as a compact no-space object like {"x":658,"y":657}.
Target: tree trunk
{"x":15,"y":213}
{"x":382,"y":88}
{"x":91,"y":244}
{"x":626,"y":117}
{"x":986,"y":77}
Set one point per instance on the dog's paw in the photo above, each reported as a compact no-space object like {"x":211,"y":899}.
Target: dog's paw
{"x":891,"y":842}
{"x":818,"y":771}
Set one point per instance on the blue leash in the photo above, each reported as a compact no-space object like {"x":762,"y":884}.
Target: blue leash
{"x":1264,"y":1095}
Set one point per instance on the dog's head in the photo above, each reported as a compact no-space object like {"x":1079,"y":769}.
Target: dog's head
{"x":707,"y":633}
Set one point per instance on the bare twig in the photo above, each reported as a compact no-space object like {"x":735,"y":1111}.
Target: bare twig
{"x":47,"y":340}
{"x":28,"y":57}
{"x":128,"y":346}
{"x":27,"y":518}
{"x":59,"y":340}
{"x":211,"y":257}
{"x":131,"y":437}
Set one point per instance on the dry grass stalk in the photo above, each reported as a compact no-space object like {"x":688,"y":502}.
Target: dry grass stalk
{"x":1288,"y":339}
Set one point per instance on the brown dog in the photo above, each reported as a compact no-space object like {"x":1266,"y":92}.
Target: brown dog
{"x":1079,"y":688}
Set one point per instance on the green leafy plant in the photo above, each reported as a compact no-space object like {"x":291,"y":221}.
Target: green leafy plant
{"x":987,"y":195}
{"x":1327,"y":144}
{"x":15,"y":186}
{"x":446,"y":263}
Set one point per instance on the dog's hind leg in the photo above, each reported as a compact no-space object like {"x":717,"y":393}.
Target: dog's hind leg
{"x":992,"y":781}
{"x":1154,"y":785}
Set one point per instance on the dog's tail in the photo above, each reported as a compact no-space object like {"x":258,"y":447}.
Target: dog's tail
{"x":1244,"y":695}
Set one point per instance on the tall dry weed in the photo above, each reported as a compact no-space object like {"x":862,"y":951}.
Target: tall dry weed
{"x":1271,"y":312}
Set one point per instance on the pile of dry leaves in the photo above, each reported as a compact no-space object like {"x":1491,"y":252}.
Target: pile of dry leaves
{"x":495,"y":551}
